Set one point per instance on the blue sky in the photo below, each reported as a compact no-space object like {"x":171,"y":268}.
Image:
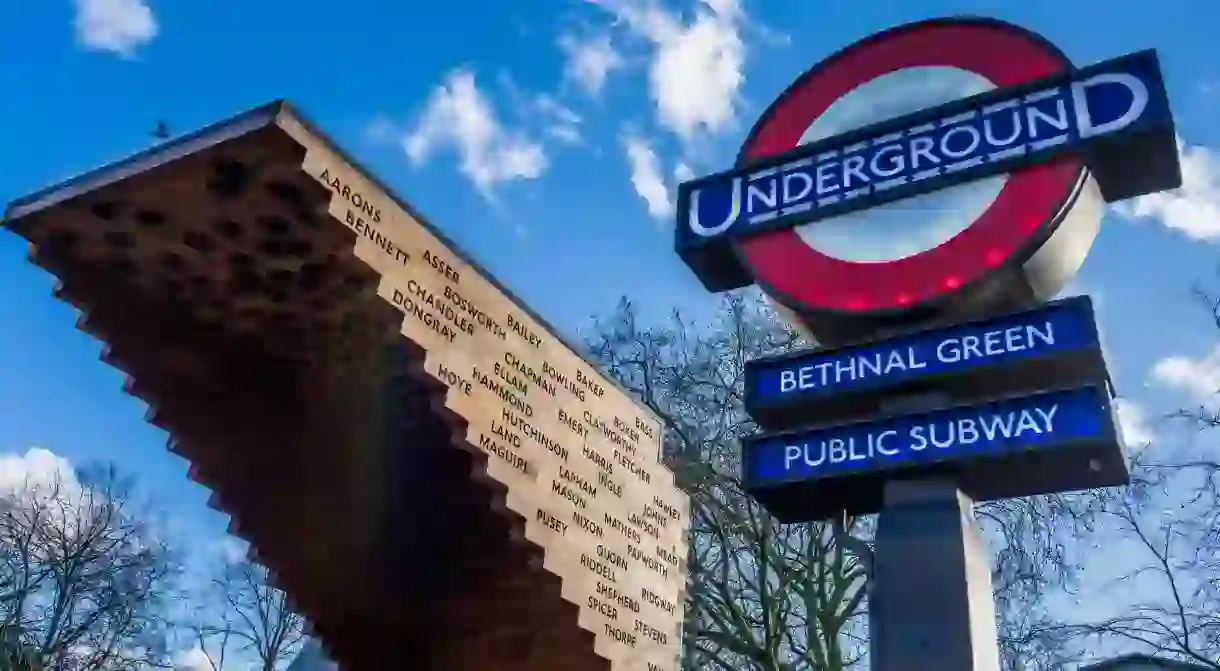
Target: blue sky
{"x":546,"y":139}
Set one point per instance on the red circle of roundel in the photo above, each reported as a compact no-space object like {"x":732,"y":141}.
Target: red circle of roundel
{"x":805,"y":278}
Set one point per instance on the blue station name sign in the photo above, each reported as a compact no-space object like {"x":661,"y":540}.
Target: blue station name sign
{"x":1053,"y":441}
{"x":1051,"y":346}
{"x":998,"y":131}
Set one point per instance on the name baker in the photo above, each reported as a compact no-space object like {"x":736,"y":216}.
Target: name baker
{"x":878,"y":363}
{"x":945,"y":434}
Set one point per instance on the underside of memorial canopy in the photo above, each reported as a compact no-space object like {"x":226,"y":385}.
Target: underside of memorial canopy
{"x":240,"y":315}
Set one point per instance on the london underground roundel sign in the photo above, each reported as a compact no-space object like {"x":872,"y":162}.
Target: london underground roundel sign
{"x":932,"y":171}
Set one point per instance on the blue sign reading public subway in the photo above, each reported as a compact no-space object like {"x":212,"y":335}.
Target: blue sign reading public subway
{"x":988,"y":134}
{"x":1064,"y":326}
{"x":1041,"y":421}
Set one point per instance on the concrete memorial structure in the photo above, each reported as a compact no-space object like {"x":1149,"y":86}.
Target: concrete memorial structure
{"x":911,"y":203}
{"x":434,"y":477}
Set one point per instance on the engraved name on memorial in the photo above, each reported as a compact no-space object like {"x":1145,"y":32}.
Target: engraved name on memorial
{"x":572,"y":462}
{"x":579,"y":457}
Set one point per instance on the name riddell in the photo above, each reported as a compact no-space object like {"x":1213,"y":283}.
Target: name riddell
{"x":946,"y":434}
{"x":962,"y":146}
{"x":884,"y":362}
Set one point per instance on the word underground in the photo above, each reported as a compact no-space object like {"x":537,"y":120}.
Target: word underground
{"x":932,"y":154}
{"x":1005,"y":426}
{"x":1062,"y":326}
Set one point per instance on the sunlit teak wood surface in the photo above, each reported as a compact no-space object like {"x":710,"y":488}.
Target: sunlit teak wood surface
{"x":431,"y":474}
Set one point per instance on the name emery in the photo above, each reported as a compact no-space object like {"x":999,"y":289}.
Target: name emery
{"x":858,"y":366}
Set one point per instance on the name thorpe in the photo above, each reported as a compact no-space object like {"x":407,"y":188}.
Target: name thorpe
{"x":1053,"y":119}
{"x":1042,"y":420}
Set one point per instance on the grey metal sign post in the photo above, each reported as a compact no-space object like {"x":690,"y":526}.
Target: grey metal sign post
{"x":930,"y":604}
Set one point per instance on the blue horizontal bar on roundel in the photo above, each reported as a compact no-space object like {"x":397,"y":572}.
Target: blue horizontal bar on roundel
{"x":1053,"y":346}
{"x":1115,"y":113}
{"x":1042,"y":443}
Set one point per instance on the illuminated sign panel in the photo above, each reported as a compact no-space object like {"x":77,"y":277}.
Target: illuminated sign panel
{"x":1057,"y":343}
{"x":935,"y":172}
{"x":1052,"y":441}
{"x":962,"y":141}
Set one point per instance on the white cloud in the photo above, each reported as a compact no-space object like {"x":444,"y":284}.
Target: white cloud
{"x":696,"y":68}
{"x":589,"y":61}
{"x":117,"y":26}
{"x":1193,"y":209}
{"x":458,"y":115}
{"x":646,"y":176}
{"x":36,"y":468}
{"x":1133,"y":421}
{"x":194,"y":659}
{"x":560,"y":121}
{"x":1198,"y":378}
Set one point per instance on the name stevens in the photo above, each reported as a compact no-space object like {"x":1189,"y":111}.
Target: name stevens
{"x":859,"y":366}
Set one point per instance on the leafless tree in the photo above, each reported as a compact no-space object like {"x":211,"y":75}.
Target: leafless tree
{"x":792,"y":597}
{"x":84,"y":578}
{"x":1171,"y":518}
{"x":245,"y":617}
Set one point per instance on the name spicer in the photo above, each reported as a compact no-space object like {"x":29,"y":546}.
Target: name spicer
{"x":829,"y":178}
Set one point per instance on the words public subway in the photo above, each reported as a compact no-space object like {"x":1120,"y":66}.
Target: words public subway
{"x":969,"y":431}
